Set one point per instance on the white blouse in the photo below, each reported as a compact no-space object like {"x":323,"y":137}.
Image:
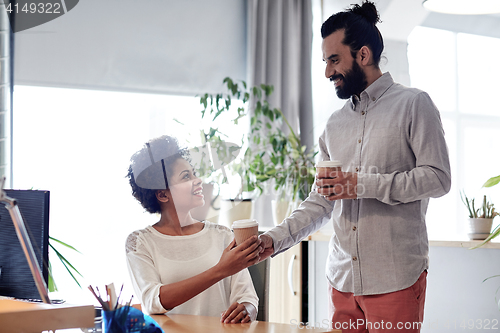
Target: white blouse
{"x":155,"y":259}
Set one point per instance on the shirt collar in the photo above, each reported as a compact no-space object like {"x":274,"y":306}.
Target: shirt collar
{"x":375,"y":90}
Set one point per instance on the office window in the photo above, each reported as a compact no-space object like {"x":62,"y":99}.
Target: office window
{"x":454,"y":69}
{"x":77,"y":145}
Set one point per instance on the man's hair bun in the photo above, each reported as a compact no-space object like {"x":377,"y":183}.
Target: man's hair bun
{"x":368,"y":11}
{"x":360,"y":28}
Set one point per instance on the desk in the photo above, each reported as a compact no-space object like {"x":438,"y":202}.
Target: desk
{"x":19,"y":316}
{"x":177,"y":323}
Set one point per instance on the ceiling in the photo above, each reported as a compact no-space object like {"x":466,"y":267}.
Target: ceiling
{"x":399,"y":17}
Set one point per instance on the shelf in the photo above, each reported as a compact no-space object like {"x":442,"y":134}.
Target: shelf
{"x":495,"y":244}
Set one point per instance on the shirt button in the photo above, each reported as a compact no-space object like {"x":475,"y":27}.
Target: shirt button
{"x":363,"y":113}
{"x":354,"y":258}
{"x":357,"y":169}
{"x":373,"y":99}
{"x":359,"y":141}
{"x":354,"y":228}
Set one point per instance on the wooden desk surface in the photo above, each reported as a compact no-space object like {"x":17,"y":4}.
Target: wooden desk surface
{"x":19,"y":316}
{"x":187,"y":323}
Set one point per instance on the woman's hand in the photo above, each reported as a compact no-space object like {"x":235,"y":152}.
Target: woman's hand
{"x":235,"y":258}
{"x":236,"y":313}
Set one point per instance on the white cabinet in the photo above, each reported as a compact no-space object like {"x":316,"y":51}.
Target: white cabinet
{"x":285,"y":286}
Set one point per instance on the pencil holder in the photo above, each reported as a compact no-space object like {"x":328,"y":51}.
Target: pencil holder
{"x":128,"y":320}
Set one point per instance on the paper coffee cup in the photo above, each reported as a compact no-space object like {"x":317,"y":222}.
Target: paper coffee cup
{"x":329,"y":168}
{"x":244,"y":229}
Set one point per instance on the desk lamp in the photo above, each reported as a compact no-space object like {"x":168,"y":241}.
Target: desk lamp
{"x":24,"y":239}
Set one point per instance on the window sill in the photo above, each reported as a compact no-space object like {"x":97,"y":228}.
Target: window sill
{"x":324,"y":236}
{"x":495,"y":244}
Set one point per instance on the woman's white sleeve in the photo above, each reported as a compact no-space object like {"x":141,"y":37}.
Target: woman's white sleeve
{"x":145,"y":277}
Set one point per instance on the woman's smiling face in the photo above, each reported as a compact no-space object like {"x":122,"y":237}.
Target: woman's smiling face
{"x":185,"y":186}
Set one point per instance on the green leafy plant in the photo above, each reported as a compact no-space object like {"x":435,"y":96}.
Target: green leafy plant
{"x":270,"y":154}
{"x":69,"y":267}
{"x":214,"y":106}
{"x":281,"y":156}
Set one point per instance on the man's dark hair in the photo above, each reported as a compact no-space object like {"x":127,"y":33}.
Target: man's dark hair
{"x":359,"y":27}
{"x":171,"y":150}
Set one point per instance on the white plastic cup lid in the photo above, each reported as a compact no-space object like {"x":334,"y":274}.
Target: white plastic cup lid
{"x":245,"y":223}
{"x":328,"y":164}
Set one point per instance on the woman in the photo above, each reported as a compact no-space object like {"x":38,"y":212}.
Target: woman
{"x":179,"y":264}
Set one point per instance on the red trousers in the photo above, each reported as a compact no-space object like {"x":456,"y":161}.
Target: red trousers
{"x":399,"y":311}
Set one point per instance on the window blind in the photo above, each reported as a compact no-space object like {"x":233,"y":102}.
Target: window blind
{"x":159,"y":46}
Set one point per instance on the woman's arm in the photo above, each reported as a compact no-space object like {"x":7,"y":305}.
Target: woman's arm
{"x":233,"y":260}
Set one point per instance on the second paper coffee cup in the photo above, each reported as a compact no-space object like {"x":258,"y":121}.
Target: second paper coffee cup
{"x":329,"y":168}
{"x":244,"y":229}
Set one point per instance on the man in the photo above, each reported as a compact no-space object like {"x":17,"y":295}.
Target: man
{"x":391,"y":143}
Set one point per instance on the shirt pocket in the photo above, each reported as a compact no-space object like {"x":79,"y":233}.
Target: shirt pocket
{"x":383,"y":149}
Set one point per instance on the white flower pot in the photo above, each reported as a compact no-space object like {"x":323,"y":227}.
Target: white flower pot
{"x":282,"y":209}
{"x":479,"y":228}
{"x":233,"y":210}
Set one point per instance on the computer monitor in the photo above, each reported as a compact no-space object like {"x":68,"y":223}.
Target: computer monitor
{"x":16,"y":279}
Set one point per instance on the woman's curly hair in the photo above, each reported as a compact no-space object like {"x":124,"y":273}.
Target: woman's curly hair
{"x":169,"y":148}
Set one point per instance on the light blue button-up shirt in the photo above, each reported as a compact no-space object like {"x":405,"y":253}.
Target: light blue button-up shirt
{"x":393,"y":138}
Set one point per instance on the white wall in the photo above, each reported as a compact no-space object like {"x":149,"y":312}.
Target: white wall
{"x":455,"y":293}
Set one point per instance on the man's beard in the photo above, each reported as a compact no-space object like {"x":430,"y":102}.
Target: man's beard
{"x":353,"y":83}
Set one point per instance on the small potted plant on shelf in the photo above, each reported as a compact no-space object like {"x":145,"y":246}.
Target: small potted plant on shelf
{"x":480,"y":219}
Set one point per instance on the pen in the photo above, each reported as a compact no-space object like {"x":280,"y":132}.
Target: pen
{"x":118,"y":298}
{"x":99,"y":299}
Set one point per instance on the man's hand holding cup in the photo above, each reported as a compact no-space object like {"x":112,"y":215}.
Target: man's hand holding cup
{"x":334,"y":184}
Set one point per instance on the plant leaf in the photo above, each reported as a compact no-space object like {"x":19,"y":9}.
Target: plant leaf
{"x":493,"y":234}
{"x":491,"y":277}
{"x":52,"y":284}
{"x":62,"y":243}
{"x":492,"y":181}
{"x":66,"y":263}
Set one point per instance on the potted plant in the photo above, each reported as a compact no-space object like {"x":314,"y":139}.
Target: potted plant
{"x":480,"y":219}
{"x":282,"y":160}
{"x":242,"y":190}
{"x":272,"y":158}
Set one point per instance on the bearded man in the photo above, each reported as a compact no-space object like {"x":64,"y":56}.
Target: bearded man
{"x":390,"y":141}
